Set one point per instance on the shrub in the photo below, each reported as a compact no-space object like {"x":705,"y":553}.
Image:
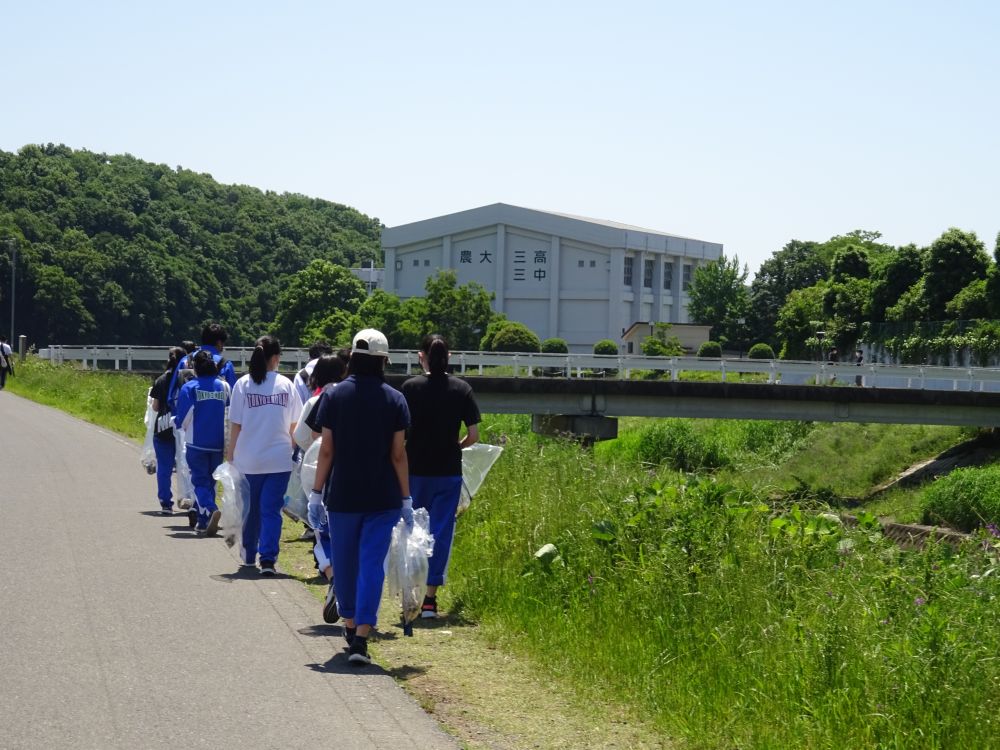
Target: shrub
{"x":656,"y":347}
{"x":710,"y":349}
{"x":965,"y":499}
{"x":515,"y":337}
{"x":605,"y":346}
{"x":761,"y":351}
{"x":494,"y":327}
{"x":678,"y":444}
{"x":555,"y":346}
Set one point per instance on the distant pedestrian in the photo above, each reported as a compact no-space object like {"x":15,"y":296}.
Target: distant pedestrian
{"x":262,"y":417}
{"x":201,"y":410}
{"x":859,"y":359}
{"x":362,"y":475}
{"x":6,"y":361}
{"x":439,"y":405}
{"x":163,"y":433}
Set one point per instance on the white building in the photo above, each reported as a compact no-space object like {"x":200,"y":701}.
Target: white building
{"x":563,"y":276}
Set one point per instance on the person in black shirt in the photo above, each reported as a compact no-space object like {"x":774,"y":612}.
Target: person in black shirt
{"x":163,"y":433}
{"x":439,"y":405}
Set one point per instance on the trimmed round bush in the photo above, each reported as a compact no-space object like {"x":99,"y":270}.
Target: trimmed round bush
{"x":761,"y":351}
{"x":555,"y":346}
{"x":515,"y":337}
{"x":965,"y":499}
{"x":710,"y":349}
{"x":605,"y":346}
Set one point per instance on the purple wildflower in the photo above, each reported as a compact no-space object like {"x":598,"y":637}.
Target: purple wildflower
{"x":993,"y":529}
{"x":919,"y":601}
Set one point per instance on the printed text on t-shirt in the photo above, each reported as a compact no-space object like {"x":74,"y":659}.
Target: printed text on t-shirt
{"x":274,"y":399}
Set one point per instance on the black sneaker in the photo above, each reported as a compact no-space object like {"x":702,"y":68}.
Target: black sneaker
{"x":330,"y":613}
{"x":349,"y":634}
{"x":192,"y":518}
{"x":358,"y":652}
{"x":429,"y":609}
{"x":166,"y":510}
{"x":267,"y":568}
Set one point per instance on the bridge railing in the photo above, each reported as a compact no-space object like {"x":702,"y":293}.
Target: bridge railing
{"x":924,"y":377}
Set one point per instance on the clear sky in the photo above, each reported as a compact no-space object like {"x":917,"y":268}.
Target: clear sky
{"x":746,"y":123}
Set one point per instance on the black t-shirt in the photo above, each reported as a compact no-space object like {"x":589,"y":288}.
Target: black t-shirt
{"x":159,"y":391}
{"x":439,"y":404}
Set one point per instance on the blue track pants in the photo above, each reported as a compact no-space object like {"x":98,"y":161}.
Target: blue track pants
{"x":166,"y":457}
{"x":360,"y":551}
{"x":262,"y":516}
{"x":440,"y":496}
{"x":202,"y":464}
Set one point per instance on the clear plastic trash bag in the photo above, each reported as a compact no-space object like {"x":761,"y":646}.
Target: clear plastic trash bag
{"x":296,"y":502}
{"x":408,"y":555}
{"x":147,"y":457}
{"x":235,"y":493}
{"x":185,"y":487}
{"x":307,"y":467}
{"x":477,"y":460}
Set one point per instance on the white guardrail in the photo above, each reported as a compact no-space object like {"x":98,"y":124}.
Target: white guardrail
{"x":787,"y":372}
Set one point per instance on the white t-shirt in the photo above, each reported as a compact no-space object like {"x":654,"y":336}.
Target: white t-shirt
{"x":265,"y":414}
{"x":303,"y":385}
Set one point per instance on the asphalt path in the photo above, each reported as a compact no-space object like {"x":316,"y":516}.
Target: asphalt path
{"x":120,"y":629}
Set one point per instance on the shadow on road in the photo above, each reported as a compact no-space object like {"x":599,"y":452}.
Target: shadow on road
{"x":247,"y":573}
{"x":338,"y":664}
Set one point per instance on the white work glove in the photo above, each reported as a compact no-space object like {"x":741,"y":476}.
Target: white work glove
{"x":408,"y":511}
{"x":317,"y":510}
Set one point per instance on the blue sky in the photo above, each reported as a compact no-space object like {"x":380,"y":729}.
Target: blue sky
{"x":743,"y":123}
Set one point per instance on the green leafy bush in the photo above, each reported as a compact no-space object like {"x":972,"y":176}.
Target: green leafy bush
{"x":761,"y":351}
{"x":677,"y":444}
{"x":605,"y":346}
{"x":555,"y":346}
{"x":965,"y":499}
{"x":710,"y":349}
{"x":515,"y":337}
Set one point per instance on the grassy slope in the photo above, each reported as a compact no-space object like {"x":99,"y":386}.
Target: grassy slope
{"x":521,"y":675}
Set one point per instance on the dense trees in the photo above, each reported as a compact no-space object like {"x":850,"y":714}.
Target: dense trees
{"x":117,"y":250}
{"x":718,"y":297}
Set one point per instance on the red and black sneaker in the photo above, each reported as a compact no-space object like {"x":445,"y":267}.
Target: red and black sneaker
{"x":429,"y":609}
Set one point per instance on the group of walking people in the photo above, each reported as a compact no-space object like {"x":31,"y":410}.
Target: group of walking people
{"x":382,"y":454}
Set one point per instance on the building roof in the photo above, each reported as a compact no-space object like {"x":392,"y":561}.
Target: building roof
{"x":594,"y":231}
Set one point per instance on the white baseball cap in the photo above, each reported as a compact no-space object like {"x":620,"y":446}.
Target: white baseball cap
{"x":371,"y":342}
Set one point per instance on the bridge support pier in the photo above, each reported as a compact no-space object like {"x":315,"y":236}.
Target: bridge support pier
{"x":588,"y":428}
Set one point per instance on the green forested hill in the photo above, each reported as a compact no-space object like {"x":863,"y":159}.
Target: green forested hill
{"x":112,"y":249}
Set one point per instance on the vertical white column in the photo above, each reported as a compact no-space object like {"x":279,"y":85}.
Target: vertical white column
{"x":616,"y":285}
{"x":446,"y":252}
{"x":675,"y":291}
{"x":638,"y":286}
{"x":657,"y":316}
{"x":390,"y":270}
{"x":499,"y":258}
{"x":554,"y":288}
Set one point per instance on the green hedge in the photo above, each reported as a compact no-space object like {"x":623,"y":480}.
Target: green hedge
{"x":965,"y":499}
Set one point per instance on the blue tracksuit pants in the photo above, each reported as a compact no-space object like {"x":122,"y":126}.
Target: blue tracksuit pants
{"x":440,"y":496}
{"x":360,"y":551}
{"x":262,"y":516}
{"x":166,"y":457}
{"x":202,"y":464}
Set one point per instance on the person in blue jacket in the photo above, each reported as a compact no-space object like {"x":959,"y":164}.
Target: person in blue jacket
{"x":364,"y":422}
{"x":213,"y":341}
{"x":163,"y":433}
{"x":201,"y":411}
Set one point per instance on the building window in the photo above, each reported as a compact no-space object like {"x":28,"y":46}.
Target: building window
{"x":647,"y":274}
{"x":399,"y":265}
{"x":427,"y":262}
{"x":687,"y":276}
{"x":416,"y":261}
{"x":580,"y":263}
{"x":628,"y":272}
{"x":593,"y":264}
{"x":629,"y":347}
{"x":668,"y":274}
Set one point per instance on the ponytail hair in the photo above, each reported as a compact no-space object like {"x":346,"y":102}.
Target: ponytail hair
{"x":267,"y":347}
{"x":435,"y":349}
{"x":204,"y":364}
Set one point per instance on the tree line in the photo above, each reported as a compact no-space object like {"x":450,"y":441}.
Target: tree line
{"x":810,"y":297}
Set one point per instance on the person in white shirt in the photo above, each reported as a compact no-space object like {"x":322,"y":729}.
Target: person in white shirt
{"x":301,"y":379}
{"x":6,"y":361}
{"x":262,"y":416}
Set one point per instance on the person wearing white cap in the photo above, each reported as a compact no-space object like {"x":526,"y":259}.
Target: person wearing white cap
{"x":364,"y":424}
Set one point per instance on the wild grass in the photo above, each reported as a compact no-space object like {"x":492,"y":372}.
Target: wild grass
{"x":113,"y":400}
{"x":734,"y":624}
{"x":965,"y":499}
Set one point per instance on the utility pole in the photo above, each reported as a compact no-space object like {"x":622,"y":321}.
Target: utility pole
{"x":12,"y":248}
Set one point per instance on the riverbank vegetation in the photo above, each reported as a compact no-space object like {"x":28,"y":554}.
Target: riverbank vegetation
{"x":694,"y":573}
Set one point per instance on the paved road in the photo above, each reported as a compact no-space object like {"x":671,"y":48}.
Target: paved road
{"x":118,"y":629}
